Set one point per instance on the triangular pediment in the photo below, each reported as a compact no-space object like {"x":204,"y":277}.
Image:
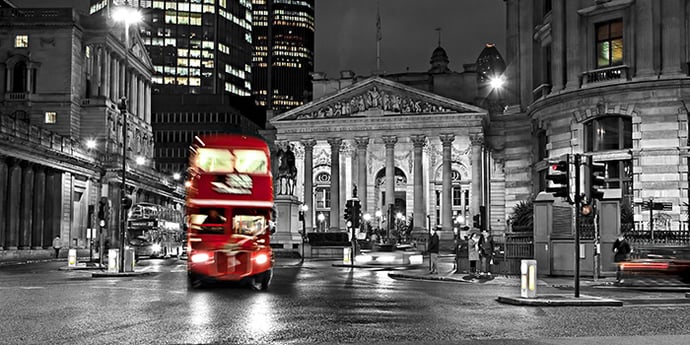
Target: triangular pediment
{"x":377,"y":96}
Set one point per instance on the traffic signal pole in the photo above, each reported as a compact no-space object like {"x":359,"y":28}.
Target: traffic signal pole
{"x":578,"y":208}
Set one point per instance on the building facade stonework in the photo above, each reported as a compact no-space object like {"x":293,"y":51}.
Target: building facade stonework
{"x":64,"y":74}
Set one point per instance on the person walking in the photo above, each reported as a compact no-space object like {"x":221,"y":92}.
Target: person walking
{"x":57,"y":244}
{"x":621,"y":249}
{"x":486,"y":253}
{"x":433,"y":252}
{"x":473,"y":252}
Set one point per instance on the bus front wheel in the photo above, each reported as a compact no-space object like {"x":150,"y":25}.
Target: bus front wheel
{"x":261,"y":281}
{"x":193,"y":281}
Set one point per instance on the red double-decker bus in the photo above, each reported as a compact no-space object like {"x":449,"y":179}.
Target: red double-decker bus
{"x":229,"y":211}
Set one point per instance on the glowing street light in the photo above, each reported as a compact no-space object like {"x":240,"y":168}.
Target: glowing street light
{"x":140,"y":160}
{"x":176,"y":176}
{"x":321,"y":218}
{"x":90,"y":144}
{"x":497,"y":82}
{"x":127,"y":15}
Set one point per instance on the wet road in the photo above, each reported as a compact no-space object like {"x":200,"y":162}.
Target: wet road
{"x":314,"y":303}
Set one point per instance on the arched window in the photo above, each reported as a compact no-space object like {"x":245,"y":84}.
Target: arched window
{"x":608,"y":133}
{"x":19,"y":77}
{"x":612,"y":133}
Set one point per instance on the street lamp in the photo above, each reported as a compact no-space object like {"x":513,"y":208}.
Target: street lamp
{"x":321,"y":218}
{"x":127,"y":15}
{"x":141,"y":160}
{"x":90,"y":144}
{"x":176,"y":176}
{"x":302,"y":211}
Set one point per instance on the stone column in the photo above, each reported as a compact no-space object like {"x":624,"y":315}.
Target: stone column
{"x":446,"y":193}
{"x":335,"y":183}
{"x":29,"y":78}
{"x":114,"y":77}
{"x":362,"y":143}
{"x":133,"y":99}
{"x":419,"y":219}
{"x":644,"y":36}
{"x":140,"y":104}
{"x":390,"y":141}
{"x":557,"y":45}
{"x":27,"y":203}
{"x":13,"y":199}
{"x":573,"y":49}
{"x":147,"y":96}
{"x":39,"y":199}
{"x":106,"y":74}
{"x":93,"y":85}
{"x":672,"y":23}
{"x":309,"y":181}
{"x":477,"y":142}
{"x":122,"y":81}
{"x":3,"y":200}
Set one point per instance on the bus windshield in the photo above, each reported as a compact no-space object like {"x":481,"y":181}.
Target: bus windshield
{"x":244,"y":161}
{"x":251,"y":225}
{"x":210,"y":221}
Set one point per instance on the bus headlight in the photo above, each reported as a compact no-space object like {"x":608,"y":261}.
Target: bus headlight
{"x":261,"y":259}
{"x":156,"y":247}
{"x":199,"y":257}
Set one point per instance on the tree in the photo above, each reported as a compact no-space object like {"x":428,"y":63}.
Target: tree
{"x":522,"y":217}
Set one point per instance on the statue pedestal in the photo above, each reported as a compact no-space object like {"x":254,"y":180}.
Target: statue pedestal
{"x":287,"y":234}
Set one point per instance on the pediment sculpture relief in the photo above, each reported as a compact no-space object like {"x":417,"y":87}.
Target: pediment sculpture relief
{"x":377,"y":99}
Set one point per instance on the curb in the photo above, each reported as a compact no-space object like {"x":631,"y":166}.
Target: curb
{"x":118,"y":274}
{"x":559,"y":301}
{"x":429,"y":278}
{"x":377,"y":266}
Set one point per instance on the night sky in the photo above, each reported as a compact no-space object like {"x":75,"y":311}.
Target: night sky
{"x":346,"y":33}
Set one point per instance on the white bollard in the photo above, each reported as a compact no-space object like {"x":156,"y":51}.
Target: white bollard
{"x":346,"y":255}
{"x":528,"y":278}
{"x":72,"y":258}
{"x":113,"y":260}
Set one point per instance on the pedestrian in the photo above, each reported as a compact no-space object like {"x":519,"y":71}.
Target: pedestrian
{"x":621,"y":249}
{"x":57,"y":244}
{"x":433,"y":252}
{"x":486,"y":253}
{"x":473,"y":252}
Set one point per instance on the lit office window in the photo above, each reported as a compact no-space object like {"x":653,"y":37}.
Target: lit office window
{"x":610,"y":43}
{"x":51,"y":117}
{"x":21,"y":41}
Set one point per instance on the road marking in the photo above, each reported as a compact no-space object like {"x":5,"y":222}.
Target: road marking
{"x":22,"y":287}
{"x":179,"y":268}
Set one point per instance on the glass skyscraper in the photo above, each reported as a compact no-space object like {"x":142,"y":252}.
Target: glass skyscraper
{"x":292,"y":57}
{"x":196,"y":46}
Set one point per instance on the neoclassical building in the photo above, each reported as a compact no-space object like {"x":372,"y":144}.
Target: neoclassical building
{"x":402,"y":148}
{"x":63,"y":73}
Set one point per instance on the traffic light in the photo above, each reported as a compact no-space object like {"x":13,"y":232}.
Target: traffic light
{"x":348,"y":210}
{"x":596,"y":178}
{"x":477,"y":221}
{"x":126,"y":202}
{"x":356,"y":214}
{"x":559,"y":173}
{"x":103,"y":211}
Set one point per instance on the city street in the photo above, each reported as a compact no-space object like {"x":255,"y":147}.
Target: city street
{"x":312,"y":303}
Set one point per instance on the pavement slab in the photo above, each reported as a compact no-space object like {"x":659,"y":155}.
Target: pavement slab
{"x":561,"y":300}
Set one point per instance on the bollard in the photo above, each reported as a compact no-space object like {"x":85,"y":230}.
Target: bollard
{"x":346,"y":255}
{"x":129,"y":260}
{"x":528,"y":278}
{"x":72,"y":258}
{"x":113,"y":260}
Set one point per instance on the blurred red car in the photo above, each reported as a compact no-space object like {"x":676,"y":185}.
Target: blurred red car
{"x":661,"y":262}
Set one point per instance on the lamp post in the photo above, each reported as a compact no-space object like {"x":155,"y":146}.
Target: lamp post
{"x":321,"y":218}
{"x":128,"y":15}
{"x":302,"y":211}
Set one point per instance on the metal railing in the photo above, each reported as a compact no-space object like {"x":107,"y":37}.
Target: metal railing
{"x":613,"y":73}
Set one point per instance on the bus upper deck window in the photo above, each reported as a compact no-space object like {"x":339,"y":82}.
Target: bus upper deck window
{"x":250,"y":161}
{"x":215,"y":160}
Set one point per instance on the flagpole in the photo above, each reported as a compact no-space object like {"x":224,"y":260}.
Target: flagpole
{"x":378,"y":39}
